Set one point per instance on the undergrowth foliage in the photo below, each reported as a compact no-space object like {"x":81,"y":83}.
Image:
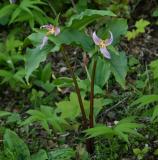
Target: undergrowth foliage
{"x":65,"y":66}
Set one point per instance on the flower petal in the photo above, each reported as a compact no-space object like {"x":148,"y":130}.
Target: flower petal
{"x":47,"y":26}
{"x":96,"y":39}
{"x":44,"y":42}
{"x":57,"y":31}
{"x":105,"y":53}
{"x":110,"y":40}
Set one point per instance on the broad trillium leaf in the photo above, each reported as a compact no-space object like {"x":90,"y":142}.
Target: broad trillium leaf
{"x":71,"y":36}
{"x":118,"y":65}
{"x":86,"y":17}
{"x":34,"y":57}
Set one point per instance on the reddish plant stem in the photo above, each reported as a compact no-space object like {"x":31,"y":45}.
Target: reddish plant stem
{"x":91,"y":114}
{"x":84,"y":119}
{"x":89,"y":142}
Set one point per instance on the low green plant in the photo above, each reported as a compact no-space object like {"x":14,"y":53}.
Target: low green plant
{"x":47,"y":117}
{"x":12,"y":62}
{"x":11,"y":117}
{"x":27,"y":11}
{"x":15,"y":148}
{"x":123,"y":129}
{"x":140,"y":153}
{"x":149,"y":102}
{"x":140,"y":28}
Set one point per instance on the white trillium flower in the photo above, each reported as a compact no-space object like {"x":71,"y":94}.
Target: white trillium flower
{"x":103,"y":44}
{"x":51,"y":30}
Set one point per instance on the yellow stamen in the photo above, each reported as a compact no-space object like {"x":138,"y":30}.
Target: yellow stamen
{"x":51,"y":31}
{"x":102,"y":44}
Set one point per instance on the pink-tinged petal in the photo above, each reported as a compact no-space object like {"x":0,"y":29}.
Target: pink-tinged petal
{"x":47,"y":26}
{"x":105,"y":53}
{"x":110,"y":40}
{"x":57,"y":31}
{"x":96,"y":39}
{"x":44,"y":42}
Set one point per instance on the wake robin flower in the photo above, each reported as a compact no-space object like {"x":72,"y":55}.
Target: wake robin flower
{"x":103,"y":44}
{"x":51,"y":30}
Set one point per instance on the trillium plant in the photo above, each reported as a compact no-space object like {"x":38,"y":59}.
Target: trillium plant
{"x":54,"y":30}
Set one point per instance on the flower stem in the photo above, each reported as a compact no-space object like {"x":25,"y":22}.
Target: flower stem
{"x":87,"y":73}
{"x":91,"y":114}
{"x":84,"y":119}
{"x":89,"y":142}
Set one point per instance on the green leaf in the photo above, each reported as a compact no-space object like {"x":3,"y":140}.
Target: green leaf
{"x":15,"y":14}
{"x":46,"y":73}
{"x":47,"y":86}
{"x":63,"y":82}
{"x":127,"y":120}
{"x":155,"y":113}
{"x":71,"y":36}
{"x":71,"y":105}
{"x":35,"y":38}
{"x":85,"y":87}
{"x":155,"y":13}
{"x":103,"y":72}
{"x":61,"y":154}
{"x":141,"y":24}
{"x":131,"y":34}
{"x":5,"y":113}
{"x":154,"y":68}
{"x":28,"y":11}
{"x":40,"y":155}
{"x":34,"y":58}
{"x":156,"y":152}
{"x":118,"y":64}
{"x":113,"y":50}
{"x":81,"y":20}
{"x":100,"y":130}
{"x":6,"y":74}
{"x":5,"y":13}
{"x":13,"y":144}
{"x":46,"y":116}
{"x":136,"y":151}
{"x":145,"y":100}
{"x":7,"y":10}
{"x":145,"y":150}
{"x":14,"y":118}
{"x":140,"y":28}
{"x":118,"y":27}
{"x":99,"y":103}
{"x":126,"y":127}
{"x":81,"y":5}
